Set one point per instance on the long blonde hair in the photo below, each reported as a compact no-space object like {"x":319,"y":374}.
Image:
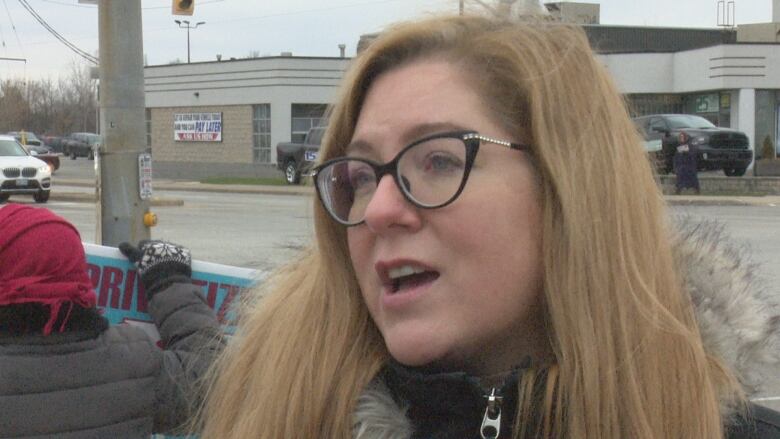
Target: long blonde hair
{"x":630,"y":361}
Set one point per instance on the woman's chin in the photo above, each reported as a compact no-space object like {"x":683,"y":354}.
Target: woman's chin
{"x":415,"y":354}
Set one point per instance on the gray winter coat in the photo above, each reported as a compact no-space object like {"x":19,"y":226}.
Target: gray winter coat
{"x":738,"y":318}
{"x":116,"y":385}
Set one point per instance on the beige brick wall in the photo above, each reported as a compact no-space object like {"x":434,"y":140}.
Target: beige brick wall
{"x":235,"y":147}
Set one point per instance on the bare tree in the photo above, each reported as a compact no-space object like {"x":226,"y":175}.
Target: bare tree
{"x":48,"y":107}
{"x":14,"y":105}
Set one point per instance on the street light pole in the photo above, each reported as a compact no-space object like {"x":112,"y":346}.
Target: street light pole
{"x":185,"y":24}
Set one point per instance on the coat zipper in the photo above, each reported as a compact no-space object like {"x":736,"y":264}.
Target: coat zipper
{"x":491,"y":422}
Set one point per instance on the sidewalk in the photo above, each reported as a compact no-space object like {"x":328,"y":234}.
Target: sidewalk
{"x":194,"y":186}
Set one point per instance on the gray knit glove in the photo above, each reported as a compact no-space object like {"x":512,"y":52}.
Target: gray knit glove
{"x":159,"y":264}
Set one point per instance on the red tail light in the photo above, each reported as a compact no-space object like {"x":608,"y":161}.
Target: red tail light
{"x":683,"y":138}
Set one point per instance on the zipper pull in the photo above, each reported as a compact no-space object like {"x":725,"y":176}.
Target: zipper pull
{"x":491,"y":422}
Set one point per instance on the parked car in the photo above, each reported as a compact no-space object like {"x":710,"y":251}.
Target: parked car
{"x":81,"y":145}
{"x":717,"y":148}
{"x":295,"y":159}
{"x":655,"y":153}
{"x":54,"y":142}
{"x":38,"y":148}
{"x":21,"y":173}
{"x":26,"y":138}
{"x":44,"y":153}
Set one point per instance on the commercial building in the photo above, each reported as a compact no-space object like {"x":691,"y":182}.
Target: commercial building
{"x":728,"y":75}
{"x":225,"y":117}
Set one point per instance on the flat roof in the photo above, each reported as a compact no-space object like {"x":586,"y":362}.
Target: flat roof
{"x":237,"y":60}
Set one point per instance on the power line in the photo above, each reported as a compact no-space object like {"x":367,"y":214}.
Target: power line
{"x":13,"y":26}
{"x":149,"y":7}
{"x":56,"y":35}
{"x":2,"y":39}
{"x":308,"y":11}
{"x":298,"y":12}
{"x":168,"y":7}
{"x":67,"y":4}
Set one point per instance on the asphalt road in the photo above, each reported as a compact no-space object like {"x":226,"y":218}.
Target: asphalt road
{"x":248,"y":230}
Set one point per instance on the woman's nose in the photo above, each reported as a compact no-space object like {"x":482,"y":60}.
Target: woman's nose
{"x":389,"y":209}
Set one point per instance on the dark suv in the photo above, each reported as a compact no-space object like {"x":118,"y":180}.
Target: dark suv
{"x":81,"y":145}
{"x":717,"y":148}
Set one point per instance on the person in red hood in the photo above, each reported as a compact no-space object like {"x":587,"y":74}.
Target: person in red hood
{"x":64,"y":371}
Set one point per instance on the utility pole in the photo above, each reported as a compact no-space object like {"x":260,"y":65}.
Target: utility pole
{"x":461,"y":7}
{"x":122,"y":121}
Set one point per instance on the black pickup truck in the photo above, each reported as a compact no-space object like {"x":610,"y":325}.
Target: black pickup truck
{"x":295,"y":159}
{"x":716,"y":148}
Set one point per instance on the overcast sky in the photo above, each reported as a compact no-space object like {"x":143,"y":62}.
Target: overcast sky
{"x":237,"y":28}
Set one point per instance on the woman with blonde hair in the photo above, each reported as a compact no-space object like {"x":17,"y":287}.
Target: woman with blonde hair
{"x":493,"y":259}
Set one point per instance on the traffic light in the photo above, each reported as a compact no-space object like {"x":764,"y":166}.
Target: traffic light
{"x":183,"y":7}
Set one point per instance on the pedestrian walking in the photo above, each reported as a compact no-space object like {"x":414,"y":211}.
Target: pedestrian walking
{"x":686,"y":169}
{"x":493,"y":258}
{"x":64,"y":371}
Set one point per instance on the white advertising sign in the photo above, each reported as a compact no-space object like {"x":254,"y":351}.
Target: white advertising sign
{"x":197,"y":127}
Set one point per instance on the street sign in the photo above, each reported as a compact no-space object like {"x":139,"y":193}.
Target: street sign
{"x":145,"y":176}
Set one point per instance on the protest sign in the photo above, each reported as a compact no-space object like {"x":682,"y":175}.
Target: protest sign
{"x":120,"y":293}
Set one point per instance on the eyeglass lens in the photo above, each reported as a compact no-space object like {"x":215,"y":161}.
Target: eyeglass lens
{"x":429,"y":174}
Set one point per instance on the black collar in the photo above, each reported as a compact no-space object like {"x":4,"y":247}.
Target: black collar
{"x":449,"y":404}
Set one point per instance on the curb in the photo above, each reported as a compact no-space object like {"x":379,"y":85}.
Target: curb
{"x":187,"y":186}
{"x":237,"y":189}
{"x":704,"y":200}
{"x":76,"y":197}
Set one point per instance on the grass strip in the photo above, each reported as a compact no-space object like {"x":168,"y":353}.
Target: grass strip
{"x":254,"y":181}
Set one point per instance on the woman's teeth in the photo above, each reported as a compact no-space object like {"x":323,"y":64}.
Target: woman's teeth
{"x":405,"y":270}
{"x":409,"y":277}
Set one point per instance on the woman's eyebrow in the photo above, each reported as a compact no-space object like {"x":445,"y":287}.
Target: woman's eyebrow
{"x":413,"y":133}
{"x":420,"y":130}
{"x":358,"y":146}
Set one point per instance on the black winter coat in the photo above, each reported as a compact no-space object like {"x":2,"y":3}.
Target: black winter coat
{"x":112,"y":383}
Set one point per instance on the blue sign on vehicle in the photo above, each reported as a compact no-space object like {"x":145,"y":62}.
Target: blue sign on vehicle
{"x":310,"y":156}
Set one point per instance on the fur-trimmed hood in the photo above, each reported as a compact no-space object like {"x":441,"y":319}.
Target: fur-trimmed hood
{"x":738,"y":319}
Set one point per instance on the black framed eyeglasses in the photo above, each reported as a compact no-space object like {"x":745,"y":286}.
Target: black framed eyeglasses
{"x":430,"y":172}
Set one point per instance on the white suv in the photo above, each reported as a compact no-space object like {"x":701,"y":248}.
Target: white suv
{"x":21,"y":173}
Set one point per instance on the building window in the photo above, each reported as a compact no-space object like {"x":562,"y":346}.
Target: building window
{"x":304,"y":117}
{"x":261,"y":133}
{"x":149,"y":128}
{"x":644,"y":104}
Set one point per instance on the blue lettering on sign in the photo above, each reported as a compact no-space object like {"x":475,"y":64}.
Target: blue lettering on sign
{"x":207,"y":126}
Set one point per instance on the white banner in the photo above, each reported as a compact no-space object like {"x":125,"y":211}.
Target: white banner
{"x":197,"y":127}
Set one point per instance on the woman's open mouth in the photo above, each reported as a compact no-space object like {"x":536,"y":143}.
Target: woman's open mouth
{"x":413,"y":280}
{"x":407,"y":277}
